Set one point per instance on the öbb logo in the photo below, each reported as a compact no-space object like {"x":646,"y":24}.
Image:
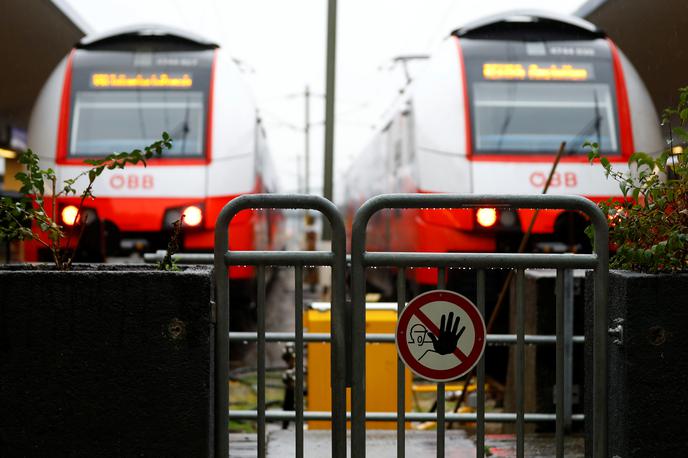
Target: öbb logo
{"x":566,"y":180}
{"x":132,"y":182}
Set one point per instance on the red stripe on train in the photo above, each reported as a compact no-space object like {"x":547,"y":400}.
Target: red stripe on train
{"x":625,"y":124}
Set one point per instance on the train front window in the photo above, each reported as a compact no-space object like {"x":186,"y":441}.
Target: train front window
{"x":109,"y":121}
{"x":535,"y":117}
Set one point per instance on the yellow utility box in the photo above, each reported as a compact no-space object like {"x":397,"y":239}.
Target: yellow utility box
{"x":381,"y":367}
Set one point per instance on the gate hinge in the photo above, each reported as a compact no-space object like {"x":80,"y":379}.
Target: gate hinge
{"x":617,"y":331}
{"x":213,"y":312}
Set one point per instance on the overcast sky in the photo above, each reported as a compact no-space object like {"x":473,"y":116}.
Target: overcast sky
{"x":282,"y":43}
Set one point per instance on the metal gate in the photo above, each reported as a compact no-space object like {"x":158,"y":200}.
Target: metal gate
{"x":336,"y":259}
{"x":354,"y":322}
{"x":598,"y":261}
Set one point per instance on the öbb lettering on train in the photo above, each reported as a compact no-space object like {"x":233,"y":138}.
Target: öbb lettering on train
{"x":559,"y":180}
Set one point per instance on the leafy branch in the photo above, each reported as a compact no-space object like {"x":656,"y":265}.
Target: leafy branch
{"x":29,"y":219}
{"x":649,"y":225}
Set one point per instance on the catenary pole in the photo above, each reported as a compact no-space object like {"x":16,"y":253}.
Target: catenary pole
{"x":307,"y":139}
{"x":329,"y":107}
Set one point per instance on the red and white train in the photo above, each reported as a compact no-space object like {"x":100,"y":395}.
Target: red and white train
{"x":487,"y":116}
{"x":118,"y":92}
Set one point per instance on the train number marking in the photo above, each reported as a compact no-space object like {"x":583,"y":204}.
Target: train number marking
{"x":559,"y":180}
{"x":132,"y":182}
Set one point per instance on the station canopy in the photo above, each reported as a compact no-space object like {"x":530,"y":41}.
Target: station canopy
{"x":34,"y":36}
{"x":652,"y":35}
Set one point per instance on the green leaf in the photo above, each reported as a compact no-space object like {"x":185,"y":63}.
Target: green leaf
{"x":680,"y":132}
{"x":635,"y":194}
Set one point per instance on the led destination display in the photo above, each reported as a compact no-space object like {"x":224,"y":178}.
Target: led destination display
{"x":536,"y":72}
{"x":154,"y":80}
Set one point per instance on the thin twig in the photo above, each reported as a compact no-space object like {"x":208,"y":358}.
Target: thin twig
{"x":86,"y":193}
{"x":78,"y":241}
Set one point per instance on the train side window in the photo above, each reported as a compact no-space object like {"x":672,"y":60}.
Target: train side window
{"x":397,"y":154}
{"x":407,"y":135}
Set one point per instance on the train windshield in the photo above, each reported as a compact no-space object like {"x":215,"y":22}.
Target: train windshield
{"x":105,"y":122}
{"x":528,"y":97}
{"x":124,"y":100}
{"x":537,"y":117}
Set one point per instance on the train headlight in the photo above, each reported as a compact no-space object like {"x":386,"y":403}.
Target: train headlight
{"x":69,"y":214}
{"x":486,"y":217}
{"x":193,"y":216}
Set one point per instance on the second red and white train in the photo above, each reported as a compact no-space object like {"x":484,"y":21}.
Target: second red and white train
{"x":487,"y":116}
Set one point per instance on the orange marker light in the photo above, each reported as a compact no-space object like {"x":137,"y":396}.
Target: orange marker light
{"x":486,"y":217}
{"x":69,"y":215}
{"x":193,"y":215}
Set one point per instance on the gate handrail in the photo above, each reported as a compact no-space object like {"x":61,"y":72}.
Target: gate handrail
{"x":224,"y":257}
{"x":361,"y":259}
{"x":441,"y":201}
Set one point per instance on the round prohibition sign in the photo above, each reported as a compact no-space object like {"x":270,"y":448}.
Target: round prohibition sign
{"x":440,"y":335}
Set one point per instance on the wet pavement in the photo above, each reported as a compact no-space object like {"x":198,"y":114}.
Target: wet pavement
{"x":379,"y":444}
{"x":382,"y":444}
{"x":536,"y":446}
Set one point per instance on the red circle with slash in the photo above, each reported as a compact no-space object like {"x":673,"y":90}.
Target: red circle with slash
{"x":440,"y":335}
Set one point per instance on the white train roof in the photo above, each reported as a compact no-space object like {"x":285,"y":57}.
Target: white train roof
{"x":528,"y":15}
{"x":146,"y":30}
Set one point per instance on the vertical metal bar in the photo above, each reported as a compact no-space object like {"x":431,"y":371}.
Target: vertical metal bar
{"x":339,"y":327}
{"x":358,"y":376}
{"x":298,"y":383}
{"x":600,"y":326}
{"x":559,"y":392}
{"x":441,"y":277}
{"x":440,"y":419}
{"x":401,"y":373}
{"x":480,"y":432}
{"x":221,"y":362}
{"x":520,"y":364}
{"x":441,"y":284}
{"x":261,"y":361}
{"x":568,"y":349}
